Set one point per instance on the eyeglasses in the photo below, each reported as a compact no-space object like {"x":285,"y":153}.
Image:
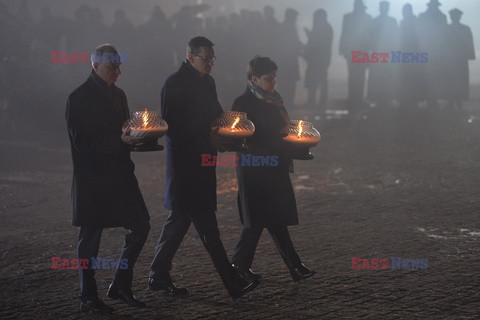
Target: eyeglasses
{"x":206,"y":59}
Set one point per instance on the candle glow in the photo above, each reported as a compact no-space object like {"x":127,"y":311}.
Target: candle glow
{"x":235,"y":123}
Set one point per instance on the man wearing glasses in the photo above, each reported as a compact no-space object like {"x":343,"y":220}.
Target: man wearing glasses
{"x":105,"y":192}
{"x":189,"y":104}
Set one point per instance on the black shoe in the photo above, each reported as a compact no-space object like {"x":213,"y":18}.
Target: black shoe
{"x":95,"y":305}
{"x":166,"y":284}
{"x":246,"y":274}
{"x":301,"y":272}
{"x":125,"y":295}
{"x":243,"y":287}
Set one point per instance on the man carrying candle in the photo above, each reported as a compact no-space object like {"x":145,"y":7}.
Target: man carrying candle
{"x":105,"y":192}
{"x":189,"y":105}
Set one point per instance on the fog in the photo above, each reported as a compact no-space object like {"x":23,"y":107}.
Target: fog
{"x":149,"y":47}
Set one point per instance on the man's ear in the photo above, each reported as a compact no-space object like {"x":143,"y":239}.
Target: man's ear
{"x":95,"y":66}
{"x":190,"y":57}
{"x":254,"y":79}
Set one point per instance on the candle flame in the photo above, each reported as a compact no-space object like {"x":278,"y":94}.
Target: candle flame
{"x":235,"y":123}
{"x":300,"y":128}
{"x":145,"y":118}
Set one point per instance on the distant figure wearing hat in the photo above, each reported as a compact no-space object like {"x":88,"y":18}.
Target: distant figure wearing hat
{"x":460,"y":43}
{"x":433,"y":34}
{"x":355,"y":37}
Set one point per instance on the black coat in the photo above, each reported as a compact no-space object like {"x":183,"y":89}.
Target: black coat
{"x":265,"y":193}
{"x":189,"y":105}
{"x":105,"y":192}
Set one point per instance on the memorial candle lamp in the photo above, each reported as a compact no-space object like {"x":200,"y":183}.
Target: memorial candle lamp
{"x":150,"y":126}
{"x":234,"y":125}
{"x":303,"y":136}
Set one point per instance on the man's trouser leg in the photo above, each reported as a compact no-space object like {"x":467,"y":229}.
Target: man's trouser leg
{"x":207,"y":228}
{"x":87,"y":248}
{"x":134,"y":241}
{"x":174,"y":230}
{"x":246,"y":246}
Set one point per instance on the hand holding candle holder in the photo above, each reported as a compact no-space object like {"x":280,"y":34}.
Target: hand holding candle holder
{"x":235,"y":127}
{"x":302,"y":135}
{"x":148,"y":126}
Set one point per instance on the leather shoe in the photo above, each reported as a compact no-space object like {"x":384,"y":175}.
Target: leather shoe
{"x":246,"y":274}
{"x":301,"y":272}
{"x":125,"y":295}
{"x":166,"y":284}
{"x":95,"y":305}
{"x":243,"y":287}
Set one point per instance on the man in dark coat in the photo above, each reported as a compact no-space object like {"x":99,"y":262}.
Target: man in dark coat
{"x":105,"y":192}
{"x":383,"y":38}
{"x":461,"y":50}
{"x":433,"y":31}
{"x":318,"y":52}
{"x":189,"y":105}
{"x":355,"y":37}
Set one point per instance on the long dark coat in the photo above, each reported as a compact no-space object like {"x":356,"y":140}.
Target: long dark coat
{"x":105,"y":192}
{"x":461,"y":50}
{"x":265,"y":193}
{"x":189,"y":105}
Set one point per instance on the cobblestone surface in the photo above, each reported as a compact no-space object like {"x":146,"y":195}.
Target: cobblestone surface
{"x":384,"y":183}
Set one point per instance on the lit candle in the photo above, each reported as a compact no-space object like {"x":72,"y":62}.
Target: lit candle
{"x":147,"y":122}
{"x":235,"y":131}
{"x":303,"y":134}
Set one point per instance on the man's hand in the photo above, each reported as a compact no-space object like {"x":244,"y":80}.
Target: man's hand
{"x":131,"y":140}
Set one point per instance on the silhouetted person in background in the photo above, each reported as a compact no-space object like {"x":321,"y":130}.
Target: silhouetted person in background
{"x":271,"y":32}
{"x":461,"y":49}
{"x":355,"y":37}
{"x":122,"y":30}
{"x":156,"y":64}
{"x":411,"y":77}
{"x":433,"y":40}
{"x":290,"y":48}
{"x":383,"y":38}
{"x":318,"y":53}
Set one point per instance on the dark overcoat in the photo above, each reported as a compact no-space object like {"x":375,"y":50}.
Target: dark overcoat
{"x":265,"y":193}
{"x":105,"y":192}
{"x":189,"y":105}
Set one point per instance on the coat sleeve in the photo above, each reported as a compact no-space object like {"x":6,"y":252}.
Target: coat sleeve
{"x":84,"y":136}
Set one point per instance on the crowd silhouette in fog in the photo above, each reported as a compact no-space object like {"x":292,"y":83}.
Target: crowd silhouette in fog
{"x":33,"y":90}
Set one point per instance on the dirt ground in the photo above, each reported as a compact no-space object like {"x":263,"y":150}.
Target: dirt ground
{"x":385,"y":182}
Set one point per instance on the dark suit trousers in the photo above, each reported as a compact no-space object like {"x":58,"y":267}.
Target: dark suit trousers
{"x":88,"y":246}
{"x":246,"y":246}
{"x":174,"y":230}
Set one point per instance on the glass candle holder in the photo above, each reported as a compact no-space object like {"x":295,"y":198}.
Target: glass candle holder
{"x":303,"y":136}
{"x":150,"y":126}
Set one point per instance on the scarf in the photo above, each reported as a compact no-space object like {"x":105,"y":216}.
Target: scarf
{"x":272,"y":98}
{"x":276,"y":100}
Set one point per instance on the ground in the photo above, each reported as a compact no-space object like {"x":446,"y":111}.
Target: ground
{"x":385,"y":182}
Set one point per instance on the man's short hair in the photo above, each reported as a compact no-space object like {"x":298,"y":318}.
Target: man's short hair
{"x":105,"y":53}
{"x":194,"y":45}
{"x":259,"y":66}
